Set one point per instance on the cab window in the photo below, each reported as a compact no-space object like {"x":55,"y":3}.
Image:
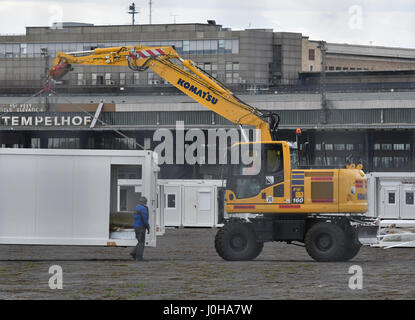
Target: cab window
{"x":274,"y":159}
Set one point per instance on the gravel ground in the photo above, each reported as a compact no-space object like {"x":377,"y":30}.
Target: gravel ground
{"x":185,"y":266}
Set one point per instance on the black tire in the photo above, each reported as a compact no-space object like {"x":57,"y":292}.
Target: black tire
{"x":325,"y":242}
{"x":236,"y":241}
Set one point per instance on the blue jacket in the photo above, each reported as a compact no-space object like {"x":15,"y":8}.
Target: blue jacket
{"x":144,"y":214}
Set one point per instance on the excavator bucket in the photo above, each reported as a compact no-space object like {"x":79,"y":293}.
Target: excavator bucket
{"x":59,"y":70}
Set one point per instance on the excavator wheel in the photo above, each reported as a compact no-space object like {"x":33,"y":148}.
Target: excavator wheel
{"x":236,"y":241}
{"x":352,"y":246}
{"x":326,"y":241}
{"x":351,"y":251}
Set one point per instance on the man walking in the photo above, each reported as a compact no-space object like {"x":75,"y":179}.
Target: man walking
{"x":141,"y":224}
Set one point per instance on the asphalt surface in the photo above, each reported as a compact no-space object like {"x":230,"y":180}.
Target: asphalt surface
{"x":185,"y":266}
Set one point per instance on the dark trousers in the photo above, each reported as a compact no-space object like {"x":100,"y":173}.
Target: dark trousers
{"x":140,"y":234}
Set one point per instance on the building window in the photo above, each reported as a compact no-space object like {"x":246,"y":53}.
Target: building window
{"x":186,"y":46}
{"x":108,"y":80}
{"x":339,"y":147}
{"x":329,"y":147}
{"x":124,"y":143}
{"x":147,"y":143}
{"x":311,"y":67}
{"x":386,"y":146}
{"x":81,"y":80}
{"x":398,"y":146}
{"x":136,"y":78}
{"x":349,"y":147}
{"x":97,"y":79}
{"x":376,"y":162}
{"x":311,"y":54}
{"x":122,"y":78}
{"x":338,"y":160}
{"x":221,"y":46}
{"x":401,"y":162}
{"x":317,"y":161}
{"x":23,"y":49}
{"x":35,"y":143}
{"x":64,"y":143}
{"x":387,"y":162}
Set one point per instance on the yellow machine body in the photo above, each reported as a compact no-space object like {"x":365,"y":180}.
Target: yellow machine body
{"x":300,"y":190}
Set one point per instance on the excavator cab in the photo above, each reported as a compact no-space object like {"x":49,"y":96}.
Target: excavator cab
{"x":263,"y":181}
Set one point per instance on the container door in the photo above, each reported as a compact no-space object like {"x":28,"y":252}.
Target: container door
{"x":389,"y":208}
{"x":198,"y":207}
{"x":206,"y":207}
{"x":407,"y":210}
{"x":190,"y":213}
{"x":171,"y":198}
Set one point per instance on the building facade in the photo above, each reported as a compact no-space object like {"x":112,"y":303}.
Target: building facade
{"x":246,"y":59}
{"x":349,"y":57}
{"x":368,"y":114}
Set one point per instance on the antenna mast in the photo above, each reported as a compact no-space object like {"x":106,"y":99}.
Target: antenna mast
{"x":150,"y":4}
{"x":132,"y":12}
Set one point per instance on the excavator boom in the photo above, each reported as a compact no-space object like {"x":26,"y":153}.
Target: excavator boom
{"x":185,"y":75}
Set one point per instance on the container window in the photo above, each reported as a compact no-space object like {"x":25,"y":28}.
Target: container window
{"x":409,"y":198}
{"x":171,"y":201}
{"x":391,"y":197}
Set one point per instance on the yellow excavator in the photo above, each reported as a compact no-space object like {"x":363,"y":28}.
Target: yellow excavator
{"x":321,"y":209}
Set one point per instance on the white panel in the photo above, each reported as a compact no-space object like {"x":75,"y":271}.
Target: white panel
{"x":54,"y":196}
{"x":17,"y":195}
{"x":407,"y":209}
{"x":62,"y":197}
{"x":172,"y":216}
{"x":389,"y":209}
{"x":91,"y":197}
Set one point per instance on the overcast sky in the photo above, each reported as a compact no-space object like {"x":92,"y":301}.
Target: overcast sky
{"x":376,"y":22}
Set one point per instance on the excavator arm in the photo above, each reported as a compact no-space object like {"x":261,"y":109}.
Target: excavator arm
{"x":185,"y":75}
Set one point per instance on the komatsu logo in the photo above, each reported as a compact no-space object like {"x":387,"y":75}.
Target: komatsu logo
{"x":199,"y":92}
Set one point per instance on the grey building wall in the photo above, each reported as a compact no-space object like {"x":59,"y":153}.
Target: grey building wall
{"x":237,"y":58}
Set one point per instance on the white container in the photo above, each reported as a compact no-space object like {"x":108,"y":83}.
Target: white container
{"x":391,"y":195}
{"x":391,"y":198}
{"x":64,"y":197}
{"x":190,"y":203}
